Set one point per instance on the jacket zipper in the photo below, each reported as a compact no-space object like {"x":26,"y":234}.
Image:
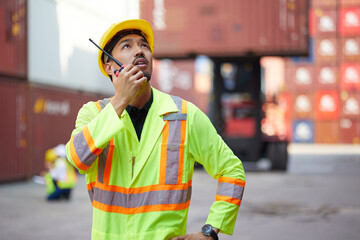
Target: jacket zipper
{"x":132,"y":170}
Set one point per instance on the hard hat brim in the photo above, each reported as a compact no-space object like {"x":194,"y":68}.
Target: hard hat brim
{"x":139,"y":24}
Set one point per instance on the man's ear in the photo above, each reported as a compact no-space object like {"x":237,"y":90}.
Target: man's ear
{"x":108,"y":68}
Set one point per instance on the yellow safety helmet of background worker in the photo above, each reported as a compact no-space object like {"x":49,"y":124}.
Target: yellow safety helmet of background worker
{"x":50,"y":155}
{"x":138,"y":24}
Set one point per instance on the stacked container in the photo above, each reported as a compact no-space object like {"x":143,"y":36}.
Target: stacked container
{"x":325,"y":87}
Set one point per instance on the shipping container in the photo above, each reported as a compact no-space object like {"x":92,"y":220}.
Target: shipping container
{"x":349,"y":21}
{"x":322,"y":22}
{"x":303,"y":105}
{"x":327,"y":105}
{"x":229,"y":28}
{"x":326,"y":77}
{"x":303,"y":131}
{"x":53,"y":113}
{"x":300,"y":77}
{"x":350,"y":76}
{"x":349,"y":3}
{"x":350,"y":105}
{"x":326,"y":50}
{"x":349,"y":49}
{"x":14,"y":128}
{"x":350,"y":131}
{"x":327,"y":132}
{"x":13,"y":38}
{"x":324,"y":3}
{"x":178,"y":77}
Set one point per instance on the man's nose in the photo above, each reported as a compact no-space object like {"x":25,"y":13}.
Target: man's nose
{"x":139,"y":51}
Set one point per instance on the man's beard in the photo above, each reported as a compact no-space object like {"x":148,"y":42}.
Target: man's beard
{"x":147,"y":75}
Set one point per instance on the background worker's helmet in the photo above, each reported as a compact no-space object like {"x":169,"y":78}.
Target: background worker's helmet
{"x":137,"y":24}
{"x":50,"y":155}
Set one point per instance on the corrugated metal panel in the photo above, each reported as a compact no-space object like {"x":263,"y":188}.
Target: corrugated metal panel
{"x":326,"y":76}
{"x":326,"y":50}
{"x":13,"y":38}
{"x":303,"y":131}
{"x":324,"y":3}
{"x":350,"y":105}
{"x":303,"y":105}
{"x":349,"y":3}
{"x":322,"y":22}
{"x":53,"y":114}
{"x":327,"y":105}
{"x":228,"y":28}
{"x":349,"y":21}
{"x":300,"y":77}
{"x":327,"y":131}
{"x":13,"y":128}
{"x":350,"y":76}
{"x":349,"y":49}
{"x":349,"y":131}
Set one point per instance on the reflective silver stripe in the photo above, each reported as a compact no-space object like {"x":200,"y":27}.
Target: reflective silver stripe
{"x":82,"y":149}
{"x":230,"y":190}
{"x":91,"y":194}
{"x":173,"y":145}
{"x":142,"y":199}
{"x":175,"y":116}
{"x":102,"y":163}
{"x":103,"y":103}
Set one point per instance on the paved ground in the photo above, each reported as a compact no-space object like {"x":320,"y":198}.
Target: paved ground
{"x":317,"y":198}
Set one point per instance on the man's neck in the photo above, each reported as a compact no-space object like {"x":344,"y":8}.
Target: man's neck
{"x":142,"y":97}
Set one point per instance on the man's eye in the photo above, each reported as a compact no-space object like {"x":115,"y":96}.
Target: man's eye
{"x":126,"y":46}
{"x":145,"y":46}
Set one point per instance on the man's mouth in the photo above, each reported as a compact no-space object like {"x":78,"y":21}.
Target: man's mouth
{"x":141,"y":62}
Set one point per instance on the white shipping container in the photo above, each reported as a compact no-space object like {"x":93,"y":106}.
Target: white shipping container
{"x":59,"y":51}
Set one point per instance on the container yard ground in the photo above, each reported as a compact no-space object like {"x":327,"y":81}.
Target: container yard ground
{"x":317,"y":198}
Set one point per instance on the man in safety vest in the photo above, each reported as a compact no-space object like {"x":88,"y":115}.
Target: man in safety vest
{"x":60,"y":177}
{"x":139,"y":147}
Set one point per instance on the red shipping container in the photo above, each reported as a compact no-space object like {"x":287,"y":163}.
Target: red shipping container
{"x":349,"y":21}
{"x":326,"y":50}
{"x":349,"y":131}
{"x":300,"y":77}
{"x":303,"y":106}
{"x":349,"y":49}
{"x":327,"y":132}
{"x":13,"y":38}
{"x":324,"y":3}
{"x":327,"y":105}
{"x":322,"y":22}
{"x":326,"y":76}
{"x":349,"y":3}
{"x":350,"y":76}
{"x":350,"y":105}
{"x":228,"y":28}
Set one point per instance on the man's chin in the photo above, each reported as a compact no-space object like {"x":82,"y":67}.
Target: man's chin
{"x":147,"y":75}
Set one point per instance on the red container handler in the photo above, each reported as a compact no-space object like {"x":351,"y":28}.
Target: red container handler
{"x":349,"y":3}
{"x":327,"y":105}
{"x":327,"y":131}
{"x":324,"y":3}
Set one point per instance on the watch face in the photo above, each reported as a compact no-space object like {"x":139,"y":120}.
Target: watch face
{"x":206,"y":229}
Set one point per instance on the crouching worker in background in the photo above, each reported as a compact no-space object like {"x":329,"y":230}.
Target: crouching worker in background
{"x":60,"y":177}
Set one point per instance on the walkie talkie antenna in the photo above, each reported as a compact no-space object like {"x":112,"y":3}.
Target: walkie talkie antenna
{"x":107,"y":54}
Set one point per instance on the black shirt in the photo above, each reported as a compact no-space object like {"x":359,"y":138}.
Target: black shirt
{"x":138,"y":116}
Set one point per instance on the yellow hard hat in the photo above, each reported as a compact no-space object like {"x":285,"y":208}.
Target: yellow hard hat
{"x":137,"y":24}
{"x":50,"y":155}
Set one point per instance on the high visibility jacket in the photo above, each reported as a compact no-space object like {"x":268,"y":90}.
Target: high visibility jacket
{"x":142,"y":189}
{"x":68,"y":179}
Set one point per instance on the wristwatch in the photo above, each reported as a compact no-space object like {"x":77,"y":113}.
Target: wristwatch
{"x":208,"y":230}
